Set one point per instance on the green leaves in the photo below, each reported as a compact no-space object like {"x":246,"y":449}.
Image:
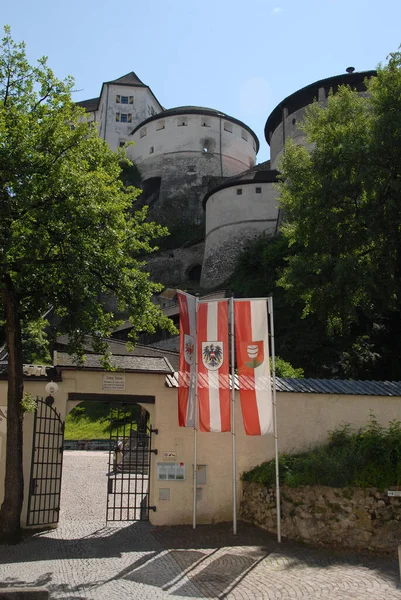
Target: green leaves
{"x":69,"y":234}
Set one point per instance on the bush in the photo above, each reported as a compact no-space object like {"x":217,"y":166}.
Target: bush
{"x":369,"y":457}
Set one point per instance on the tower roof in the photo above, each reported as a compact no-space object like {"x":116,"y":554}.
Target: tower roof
{"x":128,"y":79}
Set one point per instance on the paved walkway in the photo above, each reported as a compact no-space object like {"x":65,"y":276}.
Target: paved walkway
{"x":85,"y":559}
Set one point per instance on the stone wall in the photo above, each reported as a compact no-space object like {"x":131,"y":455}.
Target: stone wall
{"x":353,"y":518}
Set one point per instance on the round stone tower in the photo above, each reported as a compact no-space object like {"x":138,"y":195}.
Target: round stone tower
{"x":179,"y":152}
{"x":238,"y":210}
{"x":283,"y":122}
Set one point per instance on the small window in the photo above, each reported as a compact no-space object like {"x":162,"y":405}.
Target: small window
{"x":151,"y":150}
{"x":258,"y":190}
{"x":182,"y":122}
{"x":125,"y":118}
{"x":191,"y":169}
{"x":294,"y":121}
{"x":239,"y":192}
{"x":160,"y":125}
{"x":124,"y":99}
{"x":205,"y":123}
{"x":228,"y":127}
{"x":143,"y":132}
{"x":122,"y":143}
{"x":244,"y":135}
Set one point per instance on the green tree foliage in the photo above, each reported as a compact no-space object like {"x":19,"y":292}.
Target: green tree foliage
{"x":302,"y":342}
{"x":67,"y":232}
{"x":369,"y":457}
{"x":341,"y":200}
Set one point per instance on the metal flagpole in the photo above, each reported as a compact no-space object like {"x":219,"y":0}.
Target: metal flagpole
{"x":233,"y":418}
{"x":196,"y":420}
{"x":278,"y":510}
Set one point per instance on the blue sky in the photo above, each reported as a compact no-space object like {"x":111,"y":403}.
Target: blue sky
{"x":242,"y":58}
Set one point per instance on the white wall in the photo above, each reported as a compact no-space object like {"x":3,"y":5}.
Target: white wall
{"x":113,"y":131}
{"x":231,"y":221}
{"x":237,"y":154}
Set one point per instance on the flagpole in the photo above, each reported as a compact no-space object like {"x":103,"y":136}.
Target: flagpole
{"x":233,"y":418}
{"x":196,"y":424}
{"x":278,"y":509}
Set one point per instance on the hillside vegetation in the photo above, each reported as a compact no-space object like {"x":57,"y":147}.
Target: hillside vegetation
{"x":369,"y":457}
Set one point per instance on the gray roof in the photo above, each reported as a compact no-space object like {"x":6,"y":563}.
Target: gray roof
{"x":324,"y":386}
{"x":139,"y":364}
{"x":89,"y":105}
{"x":119,"y":348}
{"x":128,"y":79}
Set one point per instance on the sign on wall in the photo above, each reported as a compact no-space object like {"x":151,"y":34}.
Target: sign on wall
{"x":171,"y":471}
{"x":114,"y":381}
{"x":169,"y":456}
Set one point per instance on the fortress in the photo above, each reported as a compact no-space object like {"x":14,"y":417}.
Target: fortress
{"x":198,"y":172}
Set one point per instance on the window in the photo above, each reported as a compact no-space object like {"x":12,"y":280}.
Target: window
{"x":124,"y":99}
{"x":160,"y":125}
{"x":121,"y":143}
{"x":208,"y":145}
{"x":151,"y":150}
{"x":294,"y":121}
{"x":205,"y":123}
{"x":258,"y":190}
{"x":182,"y":122}
{"x":228,"y":127}
{"x":143,"y":132}
{"x":244,"y":135}
{"x":239,"y":192}
{"x":191,"y":169}
{"x":124,"y":117}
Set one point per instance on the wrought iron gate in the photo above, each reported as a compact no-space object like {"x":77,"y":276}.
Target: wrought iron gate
{"x":46,"y":465}
{"x":128,"y":477}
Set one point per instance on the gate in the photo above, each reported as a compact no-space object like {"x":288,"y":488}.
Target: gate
{"x":128,"y":477}
{"x":46,"y":465}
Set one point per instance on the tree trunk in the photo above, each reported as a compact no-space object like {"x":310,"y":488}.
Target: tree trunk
{"x":11,"y":508}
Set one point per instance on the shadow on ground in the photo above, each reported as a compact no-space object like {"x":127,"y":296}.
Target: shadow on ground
{"x":207,"y":562}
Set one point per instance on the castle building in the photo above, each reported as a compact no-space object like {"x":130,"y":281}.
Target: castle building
{"x":198,"y":171}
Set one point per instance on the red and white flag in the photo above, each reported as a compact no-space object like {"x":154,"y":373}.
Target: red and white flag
{"x":253,"y":366}
{"x":187,"y":372}
{"x":213,"y":366}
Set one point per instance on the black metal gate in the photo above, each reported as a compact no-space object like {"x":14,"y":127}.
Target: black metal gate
{"x":46,"y":465}
{"x":128,"y":482}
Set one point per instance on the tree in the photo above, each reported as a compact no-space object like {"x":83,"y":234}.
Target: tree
{"x":341,"y":201}
{"x":67,"y":233}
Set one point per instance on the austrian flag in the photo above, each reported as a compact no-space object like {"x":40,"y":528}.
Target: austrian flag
{"x":187,"y":372}
{"x":213,"y":361}
{"x":253,"y":366}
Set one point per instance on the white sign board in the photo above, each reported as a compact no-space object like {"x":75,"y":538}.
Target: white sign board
{"x":172,"y":456}
{"x":114,"y":381}
{"x":394,"y":493}
{"x":171,"y":471}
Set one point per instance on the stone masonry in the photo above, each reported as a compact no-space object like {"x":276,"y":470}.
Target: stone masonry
{"x":354,"y":518}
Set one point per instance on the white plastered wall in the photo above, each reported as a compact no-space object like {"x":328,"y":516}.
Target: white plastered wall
{"x":303,"y":421}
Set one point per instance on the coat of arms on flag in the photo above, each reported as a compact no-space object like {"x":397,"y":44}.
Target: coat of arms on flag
{"x":252,"y":354}
{"x":212,"y":355}
{"x":189,"y":348}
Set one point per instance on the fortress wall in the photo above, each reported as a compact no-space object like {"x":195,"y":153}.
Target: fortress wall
{"x":233,"y":219}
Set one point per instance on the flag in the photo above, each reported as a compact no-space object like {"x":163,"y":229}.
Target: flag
{"x":213,"y":365}
{"x":253,"y":366}
{"x":187,"y":372}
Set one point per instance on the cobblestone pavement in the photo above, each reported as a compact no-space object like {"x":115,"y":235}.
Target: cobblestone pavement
{"x":83,"y":558}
